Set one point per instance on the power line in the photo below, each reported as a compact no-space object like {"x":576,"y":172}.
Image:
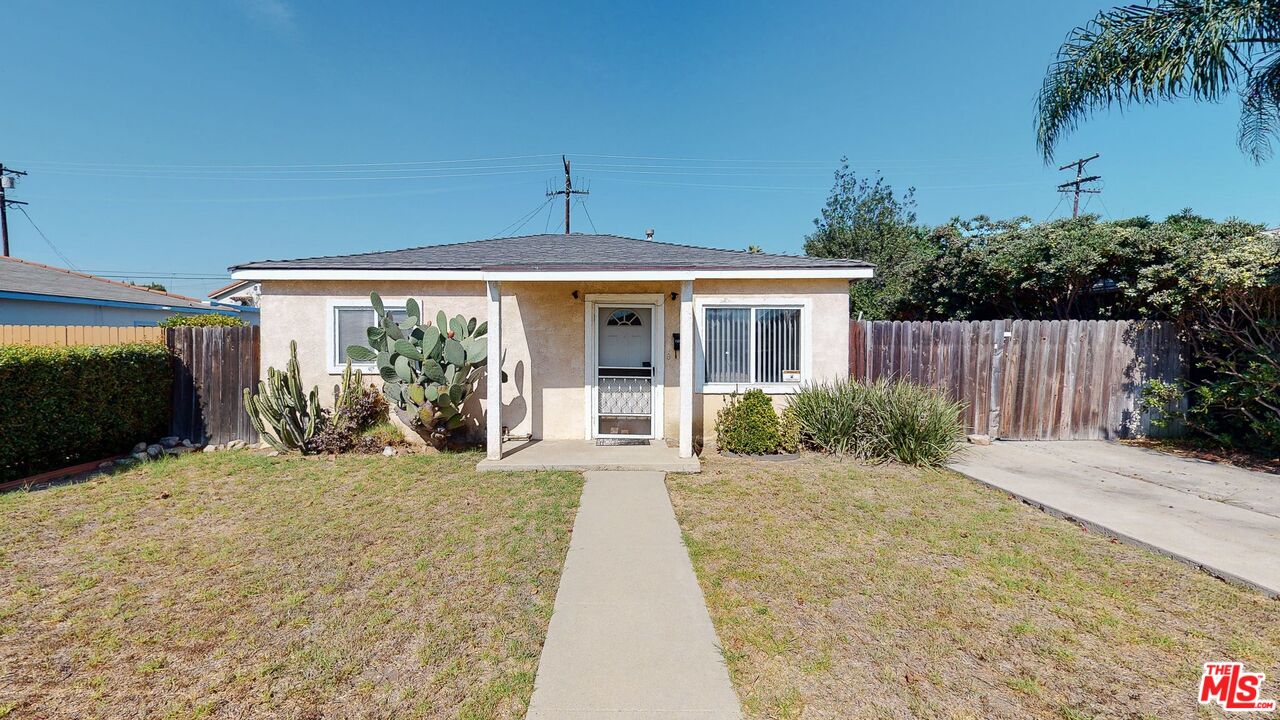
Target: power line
{"x":526,"y":220}
{"x":143,"y":176}
{"x":550,"y":209}
{"x":1076,"y":187}
{"x":522,"y":219}
{"x":587,"y":212}
{"x":1055,"y":208}
{"x":288,"y":166}
{"x":408,"y":165}
{"x":49,"y":242}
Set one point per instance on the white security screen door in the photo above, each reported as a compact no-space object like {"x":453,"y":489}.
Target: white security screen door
{"x":624,"y":372}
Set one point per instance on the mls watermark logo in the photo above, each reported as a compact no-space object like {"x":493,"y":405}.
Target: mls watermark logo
{"x":1227,"y":684}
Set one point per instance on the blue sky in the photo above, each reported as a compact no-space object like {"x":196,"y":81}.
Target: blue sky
{"x":184,"y":137}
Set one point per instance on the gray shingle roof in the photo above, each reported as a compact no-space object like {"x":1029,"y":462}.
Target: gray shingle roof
{"x":21,"y":276}
{"x":556,"y":252}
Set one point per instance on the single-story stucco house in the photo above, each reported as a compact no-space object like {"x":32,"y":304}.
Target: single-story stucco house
{"x":602,"y":337}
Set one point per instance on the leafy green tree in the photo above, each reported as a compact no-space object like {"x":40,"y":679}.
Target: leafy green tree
{"x":1168,"y":50}
{"x":865,"y":220}
{"x":987,"y":269}
{"x":1221,"y":284}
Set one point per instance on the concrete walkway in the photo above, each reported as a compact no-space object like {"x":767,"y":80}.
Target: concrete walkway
{"x":630,"y":638}
{"x":1222,"y":519}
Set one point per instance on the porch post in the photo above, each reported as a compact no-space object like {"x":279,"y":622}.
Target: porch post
{"x":493,"y":373}
{"x":687,"y":349}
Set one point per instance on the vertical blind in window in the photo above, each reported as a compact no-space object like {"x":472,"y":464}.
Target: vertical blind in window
{"x":777,"y":343}
{"x":751,"y":345}
{"x":350,"y":325}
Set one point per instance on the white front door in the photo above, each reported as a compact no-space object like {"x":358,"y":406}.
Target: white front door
{"x":624,"y":372}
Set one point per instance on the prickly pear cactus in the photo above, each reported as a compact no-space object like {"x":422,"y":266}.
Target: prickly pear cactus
{"x":427,"y":369}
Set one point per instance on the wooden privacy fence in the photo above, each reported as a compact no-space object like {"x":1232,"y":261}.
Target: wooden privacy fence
{"x":1028,"y":379}
{"x":211,"y":368}
{"x":78,"y":335}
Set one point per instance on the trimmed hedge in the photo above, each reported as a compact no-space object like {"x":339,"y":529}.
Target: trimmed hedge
{"x":203,"y":320}
{"x":61,"y":406}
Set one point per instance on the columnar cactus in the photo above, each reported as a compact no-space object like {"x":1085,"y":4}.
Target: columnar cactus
{"x":429,"y":370}
{"x":281,"y":406}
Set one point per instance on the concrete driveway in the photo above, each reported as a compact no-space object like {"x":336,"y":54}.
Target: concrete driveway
{"x":1223,"y":519}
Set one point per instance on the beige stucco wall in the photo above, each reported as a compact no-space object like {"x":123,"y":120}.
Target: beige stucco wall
{"x":543,"y":333}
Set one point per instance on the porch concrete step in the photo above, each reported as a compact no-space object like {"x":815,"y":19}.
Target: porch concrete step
{"x":586,"y":455}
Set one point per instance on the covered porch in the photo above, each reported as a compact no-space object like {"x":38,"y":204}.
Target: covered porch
{"x":609,"y":353}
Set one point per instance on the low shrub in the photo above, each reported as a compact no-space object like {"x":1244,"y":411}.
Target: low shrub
{"x":61,"y":406}
{"x":202,"y":320}
{"x":747,"y":424}
{"x":899,"y":421}
{"x":356,"y":408}
{"x":789,"y":431}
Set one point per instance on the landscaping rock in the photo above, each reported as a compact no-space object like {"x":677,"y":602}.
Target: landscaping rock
{"x":211,"y":448}
{"x":128,"y":461}
{"x":154,"y":450}
{"x":141,"y":455}
{"x":187,"y":443}
{"x":979,"y":439}
{"x":107,"y":466}
{"x":178,"y":450}
{"x":274,"y":453}
{"x":140,"y":447}
{"x":236,"y":444}
{"x":389,"y":451}
{"x":170,"y":441}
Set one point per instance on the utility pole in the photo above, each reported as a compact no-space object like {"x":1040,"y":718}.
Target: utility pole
{"x":1074,"y":186}
{"x":8,"y":178}
{"x":568,"y":192}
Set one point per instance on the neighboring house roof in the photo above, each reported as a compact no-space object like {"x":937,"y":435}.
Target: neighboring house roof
{"x":233,"y":290}
{"x":555,"y":253}
{"x":24,"y":280}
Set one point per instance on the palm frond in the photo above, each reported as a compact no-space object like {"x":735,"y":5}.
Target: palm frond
{"x":1139,"y":54}
{"x":1260,"y":110}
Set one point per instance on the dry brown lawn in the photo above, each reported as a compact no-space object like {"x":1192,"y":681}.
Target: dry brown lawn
{"x":847,"y":591}
{"x":233,"y":585}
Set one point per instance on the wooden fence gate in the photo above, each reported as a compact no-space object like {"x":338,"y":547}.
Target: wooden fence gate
{"x":1029,"y":379}
{"x":211,"y":368}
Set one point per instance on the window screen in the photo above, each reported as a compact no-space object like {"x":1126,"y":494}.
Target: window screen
{"x":752,"y":345}
{"x":728,"y":358}
{"x":350,"y":324}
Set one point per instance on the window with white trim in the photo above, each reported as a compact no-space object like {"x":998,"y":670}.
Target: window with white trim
{"x":752,"y":345}
{"x":350,"y":324}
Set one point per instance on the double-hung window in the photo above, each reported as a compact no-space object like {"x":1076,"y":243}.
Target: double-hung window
{"x":348,"y":325}
{"x":753,"y":345}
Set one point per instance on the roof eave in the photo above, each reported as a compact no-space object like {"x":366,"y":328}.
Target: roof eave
{"x":76,"y":300}
{"x":553,"y":275}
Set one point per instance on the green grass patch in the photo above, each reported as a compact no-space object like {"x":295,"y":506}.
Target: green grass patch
{"x":847,"y":590}
{"x":239,"y":585}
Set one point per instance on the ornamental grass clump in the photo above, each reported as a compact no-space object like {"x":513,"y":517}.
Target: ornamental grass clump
{"x":915,"y":425}
{"x":880,"y":421}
